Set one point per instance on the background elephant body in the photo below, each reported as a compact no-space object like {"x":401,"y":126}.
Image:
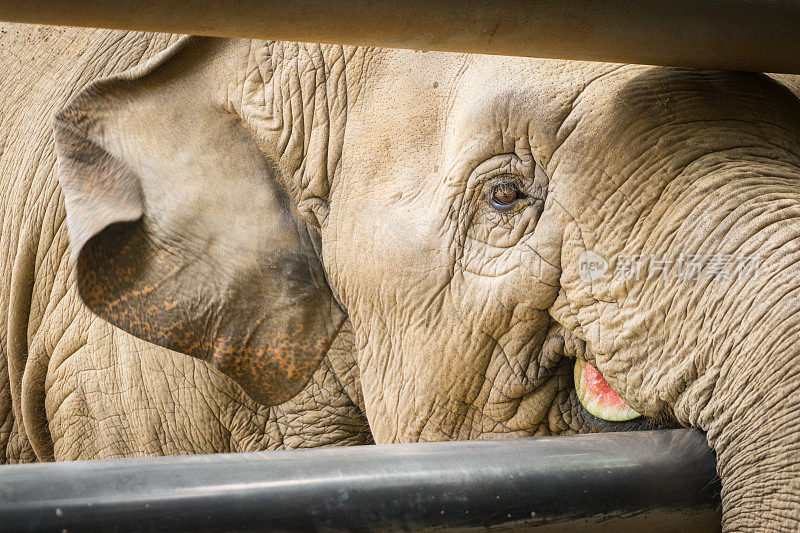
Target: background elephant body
{"x":392,"y":244}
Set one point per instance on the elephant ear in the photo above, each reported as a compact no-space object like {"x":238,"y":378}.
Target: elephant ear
{"x":181,"y":231}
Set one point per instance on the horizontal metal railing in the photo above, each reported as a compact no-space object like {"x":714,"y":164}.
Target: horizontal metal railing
{"x":725,"y":34}
{"x":645,"y":481}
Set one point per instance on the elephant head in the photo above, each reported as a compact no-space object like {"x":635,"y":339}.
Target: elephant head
{"x":495,"y":229}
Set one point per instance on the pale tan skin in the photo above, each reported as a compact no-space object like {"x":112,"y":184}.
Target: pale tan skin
{"x":463,"y":318}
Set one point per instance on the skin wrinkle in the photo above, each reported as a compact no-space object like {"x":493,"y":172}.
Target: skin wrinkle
{"x":563,"y":138}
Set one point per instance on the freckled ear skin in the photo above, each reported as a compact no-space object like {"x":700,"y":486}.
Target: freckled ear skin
{"x":181,"y":233}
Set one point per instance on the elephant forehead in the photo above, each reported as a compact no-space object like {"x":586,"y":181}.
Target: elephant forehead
{"x":420,"y":113}
{"x":497,"y":101}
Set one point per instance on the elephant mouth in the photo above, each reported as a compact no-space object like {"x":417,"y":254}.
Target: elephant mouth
{"x":597,"y":396}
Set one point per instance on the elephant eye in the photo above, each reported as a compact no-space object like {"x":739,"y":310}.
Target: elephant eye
{"x":504,"y":196}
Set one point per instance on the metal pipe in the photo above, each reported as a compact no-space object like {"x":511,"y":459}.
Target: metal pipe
{"x":723,"y":34}
{"x":652,"y":480}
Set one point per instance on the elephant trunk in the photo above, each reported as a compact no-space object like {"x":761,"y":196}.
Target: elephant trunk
{"x":751,"y":416}
{"x":758,"y":464}
{"x":746,"y":394}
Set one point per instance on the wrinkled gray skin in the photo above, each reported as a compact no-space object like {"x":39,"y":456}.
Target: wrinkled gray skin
{"x":462,"y":320}
{"x":77,"y":387}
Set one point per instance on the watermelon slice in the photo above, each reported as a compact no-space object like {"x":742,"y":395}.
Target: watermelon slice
{"x":597,"y":396}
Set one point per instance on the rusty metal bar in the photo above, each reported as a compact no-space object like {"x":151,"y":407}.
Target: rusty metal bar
{"x":724,"y":34}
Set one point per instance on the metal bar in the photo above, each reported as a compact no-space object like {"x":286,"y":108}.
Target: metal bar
{"x":724,"y":34}
{"x":653,"y":481}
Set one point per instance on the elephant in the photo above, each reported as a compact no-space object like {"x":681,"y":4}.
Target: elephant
{"x":228,"y":244}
